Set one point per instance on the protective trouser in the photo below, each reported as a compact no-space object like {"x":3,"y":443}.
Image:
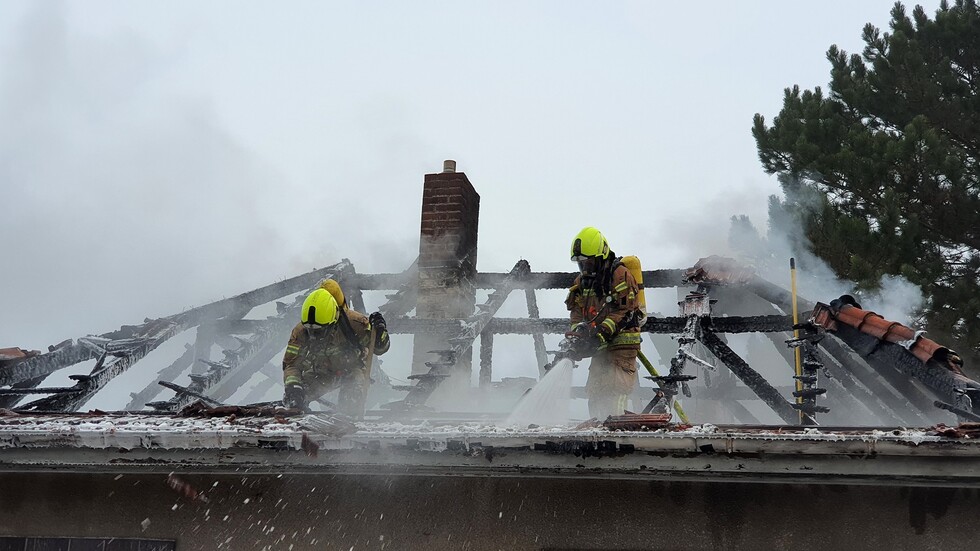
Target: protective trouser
{"x":353,"y":390}
{"x":601,"y":407}
{"x":612,"y":378}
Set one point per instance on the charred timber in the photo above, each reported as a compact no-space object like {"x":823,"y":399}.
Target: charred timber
{"x":272,"y":330}
{"x":750,"y":377}
{"x":968,"y":415}
{"x":76,"y":352}
{"x":777,"y":295}
{"x":887,"y":357}
{"x":486,"y":358}
{"x":854,"y":366}
{"x":172,"y":371}
{"x":537,"y":337}
{"x":89,"y":385}
{"x":186,"y":391}
{"x":254,"y":351}
{"x":262,"y":295}
{"x":7,"y":402}
{"x":535,"y":280}
{"x":531,"y":326}
{"x":844,"y":379}
{"x":46,"y":364}
{"x":468,"y":331}
{"x":405,"y":298}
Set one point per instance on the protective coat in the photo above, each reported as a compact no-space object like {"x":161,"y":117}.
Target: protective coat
{"x":611,"y":306}
{"x":325,"y":358}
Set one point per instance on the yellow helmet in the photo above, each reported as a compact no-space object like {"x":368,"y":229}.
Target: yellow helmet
{"x":333,"y":288}
{"x":320,"y":308}
{"x":590,"y":243}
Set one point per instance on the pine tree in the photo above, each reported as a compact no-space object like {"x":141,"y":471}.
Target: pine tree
{"x":883,"y":172}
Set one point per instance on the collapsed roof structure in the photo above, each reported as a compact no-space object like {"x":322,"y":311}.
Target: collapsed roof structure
{"x":870,"y":366}
{"x":864,"y":381}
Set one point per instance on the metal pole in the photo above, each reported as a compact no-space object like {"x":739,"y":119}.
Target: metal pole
{"x":653,"y":372}
{"x":796,"y":334}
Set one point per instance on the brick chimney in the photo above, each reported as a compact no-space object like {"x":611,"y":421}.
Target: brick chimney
{"x":447,"y":261}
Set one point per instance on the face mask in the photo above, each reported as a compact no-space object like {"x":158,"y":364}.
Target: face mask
{"x":317,"y":331}
{"x":588,"y":266}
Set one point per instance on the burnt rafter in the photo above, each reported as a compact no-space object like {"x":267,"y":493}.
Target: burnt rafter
{"x":878,"y":370}
{"x":886,"y":388}
{"x":557,"y":326}
{"x":841,"y":378}
{"x":404,"y":299}
{"x":892,"y":348}
{"x":262,"y":295}
{"x":696,"y":306}
{"x":534,"y":280}
{"x":8,"y":401}
{"x":266,"y":338}
{"x":172,"y":371}
{"x":253,"y":351}
{"x":540,"y":354}
{"x":105,"y":370}
{"x":699,"y":325}
{"x":234,"y":359}
{"x":469,"y":330}
{"x":63,"y":355}
{"x":72,"y":352}
{"x":184,"y":391}
{"x":695,"y":309}
{"x":750,"y":377}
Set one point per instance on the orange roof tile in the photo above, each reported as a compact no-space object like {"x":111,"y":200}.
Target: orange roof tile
{"x":872,"y":324}
{"x":16,"y":354}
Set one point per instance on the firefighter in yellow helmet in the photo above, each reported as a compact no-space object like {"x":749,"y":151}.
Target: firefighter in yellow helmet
{"x":328,"y":349}
{"x":604,"y":313}
{"x":355,"y":318}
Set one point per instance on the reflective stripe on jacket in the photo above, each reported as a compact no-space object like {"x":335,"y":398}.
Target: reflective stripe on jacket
{"x":616,"y":312}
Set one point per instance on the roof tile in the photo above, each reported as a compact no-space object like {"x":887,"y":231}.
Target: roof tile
{"x":870,"y":323}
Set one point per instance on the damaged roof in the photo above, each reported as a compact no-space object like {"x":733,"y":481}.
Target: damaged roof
{"x":12,"y":355}
{"x":140,"y":442}
{"x":846,"y":311}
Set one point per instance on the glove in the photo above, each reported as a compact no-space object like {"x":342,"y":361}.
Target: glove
{"x":583,"y":341}
{"x":295,"y":397}
{"x":606,"y":329}
{"x":583,"y":331}
{"x":378,"y":322}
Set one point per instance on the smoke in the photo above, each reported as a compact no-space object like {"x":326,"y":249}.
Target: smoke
{"x":123,"y":199}
{"x":126,"y":196}
{"x":684,"y":237}
{"x":680,"y":238}
{"x":894,"y":297}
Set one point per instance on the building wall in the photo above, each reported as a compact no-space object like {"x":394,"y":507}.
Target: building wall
{"x":342,"y":511}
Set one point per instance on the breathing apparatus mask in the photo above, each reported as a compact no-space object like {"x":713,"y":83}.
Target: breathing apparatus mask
{"x":317,"y":331}
{"x":588,"y":266}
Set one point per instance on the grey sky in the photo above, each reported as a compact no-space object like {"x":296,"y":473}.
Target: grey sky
{"x":159,"y":156}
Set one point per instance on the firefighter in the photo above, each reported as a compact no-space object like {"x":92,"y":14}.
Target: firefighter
{"x":328,"y":349}
{"x":376,"y":320}
{"x":604,"y":313}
